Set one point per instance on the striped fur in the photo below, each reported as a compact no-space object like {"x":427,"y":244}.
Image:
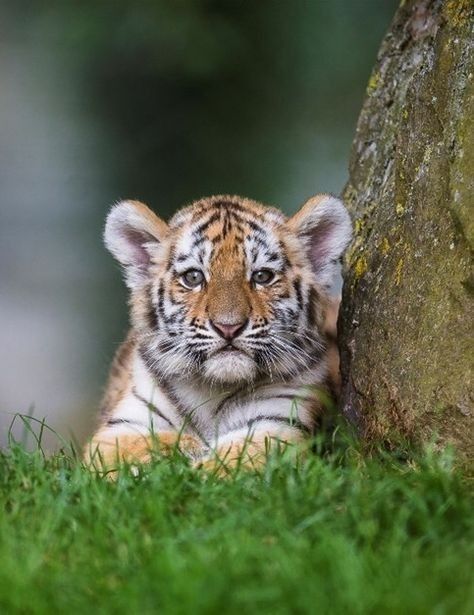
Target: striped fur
{"x":180,"y":377}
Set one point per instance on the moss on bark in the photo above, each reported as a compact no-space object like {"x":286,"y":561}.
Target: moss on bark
{"x":406,"y":322}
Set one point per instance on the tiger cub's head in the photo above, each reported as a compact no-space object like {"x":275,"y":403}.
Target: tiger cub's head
{"x":229,"y":290}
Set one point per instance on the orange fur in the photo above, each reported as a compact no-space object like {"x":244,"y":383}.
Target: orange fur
{"x":106,"y":453}
{"x":250,"y":454}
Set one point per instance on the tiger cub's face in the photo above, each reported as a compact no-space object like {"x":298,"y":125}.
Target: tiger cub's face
{"x":230,"y":290}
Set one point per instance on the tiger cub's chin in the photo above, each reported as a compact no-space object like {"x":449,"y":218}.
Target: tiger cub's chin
{"x":230,"y":366}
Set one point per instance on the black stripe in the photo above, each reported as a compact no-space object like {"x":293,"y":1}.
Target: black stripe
{"x":230,"y":397}
{"x":200,"y":256}
{"x":161,"y":291}
{"x":113,"y":421}
{"x":257,"y":335}
{"x":181,"y":258}
{"x":236,"y":218}
{"x":151,"y":315}
{"x":299,"y":294}
{"x":261,"y":242}
{"x":284,"y":255}
{"x":292,"y":422}
{"x":152,"y":408}
{"x":256,"y":227}
{"x":197,"y":241}
{"x":231,"y":206}
{"x":201,"y":336}
{"x":181,"y":409}
{"x":199,"y":230}
{"x":175,"y":317}
{"x":311,"y":306}
{"x":169,"y":264}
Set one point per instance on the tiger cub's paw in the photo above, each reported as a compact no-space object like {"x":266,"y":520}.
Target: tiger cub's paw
{"x":226,"y":460}
{"x":107,"y":452}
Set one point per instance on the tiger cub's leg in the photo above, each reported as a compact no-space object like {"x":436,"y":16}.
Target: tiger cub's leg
{"x":249,"y":449}
{"x":272,"y":420}
{"x":108,"y":449}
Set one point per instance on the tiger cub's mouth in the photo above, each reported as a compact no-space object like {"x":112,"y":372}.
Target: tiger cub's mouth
{"x":230,"y":348}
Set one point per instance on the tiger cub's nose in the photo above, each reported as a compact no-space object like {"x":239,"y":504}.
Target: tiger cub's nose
{"x":228,"y":331}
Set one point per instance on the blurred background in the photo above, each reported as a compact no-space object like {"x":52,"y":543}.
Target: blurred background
{"x":164,"y":101}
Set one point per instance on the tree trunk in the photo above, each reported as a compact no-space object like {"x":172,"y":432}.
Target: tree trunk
{"x":406,"y":322}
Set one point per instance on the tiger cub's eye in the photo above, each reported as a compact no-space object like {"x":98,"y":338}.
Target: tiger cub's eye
{"x":192,"y":278}
{"x":263,"y":276}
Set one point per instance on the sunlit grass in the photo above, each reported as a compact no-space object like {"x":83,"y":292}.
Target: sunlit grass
{"x":341,"y":533}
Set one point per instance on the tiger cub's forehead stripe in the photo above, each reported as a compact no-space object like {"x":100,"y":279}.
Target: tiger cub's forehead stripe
{"x":250,"y":236}
{"x":229,"y":220}
{"x":203,"y":226}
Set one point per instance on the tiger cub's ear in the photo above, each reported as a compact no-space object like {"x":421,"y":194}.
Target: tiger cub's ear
{"x":133,"y":234}
{"x":326,"y":230}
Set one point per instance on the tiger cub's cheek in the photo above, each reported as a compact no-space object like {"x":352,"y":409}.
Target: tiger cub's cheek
{"x":196,"y":303}
{"x":277,"y":291}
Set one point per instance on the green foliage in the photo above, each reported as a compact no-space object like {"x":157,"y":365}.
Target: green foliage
{"x":340,"y":533}
{"x":203,"y":97}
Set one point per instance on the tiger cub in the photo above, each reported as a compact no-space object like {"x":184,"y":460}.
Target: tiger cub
{"x":228,"y":345}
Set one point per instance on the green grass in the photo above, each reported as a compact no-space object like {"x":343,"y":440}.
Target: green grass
{"x":342,"y":533}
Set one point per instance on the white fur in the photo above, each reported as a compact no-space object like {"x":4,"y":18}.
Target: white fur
{"x":183,"y":246}
{"x":147,"y":387}
{"x":230,"y":367}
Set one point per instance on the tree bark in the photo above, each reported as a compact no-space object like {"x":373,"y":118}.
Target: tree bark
{"x":407,"y":316}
